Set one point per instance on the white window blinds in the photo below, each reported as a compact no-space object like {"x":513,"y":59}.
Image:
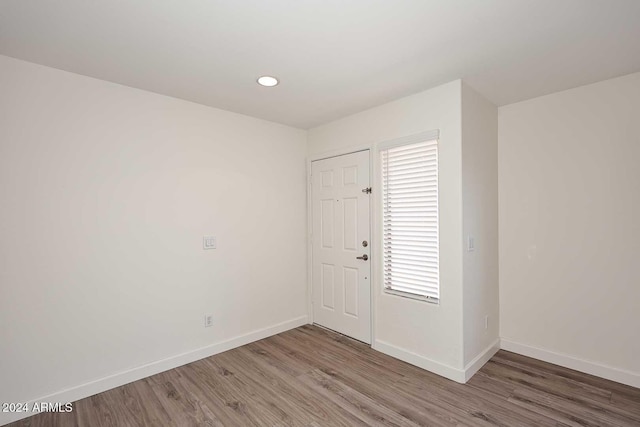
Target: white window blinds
{"x":410,"y":219}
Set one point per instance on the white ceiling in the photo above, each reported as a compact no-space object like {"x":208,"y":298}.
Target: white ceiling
{"x":334,"y":57}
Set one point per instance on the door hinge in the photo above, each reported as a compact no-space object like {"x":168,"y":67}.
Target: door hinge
{"x":367,"y":190}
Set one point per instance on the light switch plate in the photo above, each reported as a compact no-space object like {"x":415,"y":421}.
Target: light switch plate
{"x":471,"y":244}
{"x":208,"y":242}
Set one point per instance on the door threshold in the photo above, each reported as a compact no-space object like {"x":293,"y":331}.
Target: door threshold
{"x":341,"y":334}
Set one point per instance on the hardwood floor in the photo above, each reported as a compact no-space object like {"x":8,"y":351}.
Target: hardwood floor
{"x":312,"y":377}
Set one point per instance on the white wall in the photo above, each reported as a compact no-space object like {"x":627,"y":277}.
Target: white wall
{"x":422,"y":333}
{"x":106,"y":193}
{"x":569,"y":186}
{"x":480,"y":220}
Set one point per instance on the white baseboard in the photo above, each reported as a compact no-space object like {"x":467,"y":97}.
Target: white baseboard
{"x":482,"y":358}
{"x":571,"y":362}
{"x":121,"y":378}
{"x":455,"y":374}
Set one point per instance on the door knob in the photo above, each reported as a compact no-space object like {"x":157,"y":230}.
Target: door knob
{"x":363,"y":257}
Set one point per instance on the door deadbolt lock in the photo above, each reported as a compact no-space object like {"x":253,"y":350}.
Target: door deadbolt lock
{"x":363,"y":257}
{"x":365,"y":243}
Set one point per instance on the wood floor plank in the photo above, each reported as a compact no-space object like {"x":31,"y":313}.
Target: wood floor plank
{"x":345,"y":349}
{"x":488,"y":384}
{"x":89,"y":412}
{"x":418,"y":409}
{"x":47,"y":419}
{"x":108,"y":412}
{"x":329,"y":413}
{"x":143,"y":406}
{"x":180,"y":406}
{"x":310,"y":376}
{"x":624,"y":403}
{"x":479,"y":408}
{"x":235,"y":404}
{"x":587,"y":414}
{"x":266,"y":377}
{"x":356,"y":374}
{"x":285,"y":405}
{"x":547,"y":379}
{"x":359,"y":405}
{"x":562,"y":372}
{"x":564,"y":391}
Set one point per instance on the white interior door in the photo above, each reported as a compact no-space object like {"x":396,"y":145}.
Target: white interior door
{"x":341,"y":254}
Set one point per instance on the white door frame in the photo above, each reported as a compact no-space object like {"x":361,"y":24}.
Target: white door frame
{"x":373,"y":237}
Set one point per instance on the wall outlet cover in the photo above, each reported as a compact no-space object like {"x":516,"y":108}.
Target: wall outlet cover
{"x":209,"y":242}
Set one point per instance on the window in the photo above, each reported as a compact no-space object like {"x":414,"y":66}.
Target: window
{"x":410,"y":219}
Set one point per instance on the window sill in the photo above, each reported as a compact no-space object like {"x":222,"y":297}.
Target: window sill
{"x":430,"y":300}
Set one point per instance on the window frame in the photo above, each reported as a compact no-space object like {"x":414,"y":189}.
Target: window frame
{"x":433,"y":135}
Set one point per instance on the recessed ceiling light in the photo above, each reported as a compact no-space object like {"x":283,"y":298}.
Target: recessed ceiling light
{"x":267,"y":81}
